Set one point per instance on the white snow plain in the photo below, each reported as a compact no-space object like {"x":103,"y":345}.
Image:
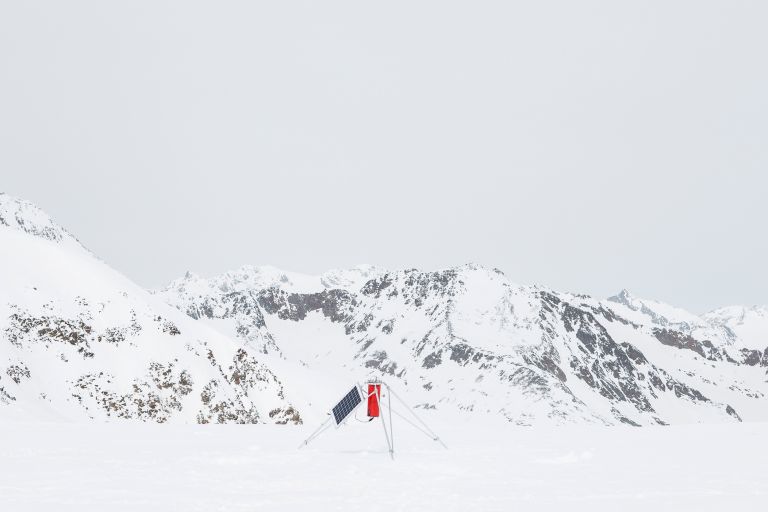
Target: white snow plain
{"x":148,"y":467}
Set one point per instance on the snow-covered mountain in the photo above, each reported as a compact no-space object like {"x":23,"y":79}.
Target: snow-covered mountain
{"x":467,"y":339}
{"x":79,"y":340}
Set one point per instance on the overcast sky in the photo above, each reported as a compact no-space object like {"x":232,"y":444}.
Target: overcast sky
{"x":588,"y":146}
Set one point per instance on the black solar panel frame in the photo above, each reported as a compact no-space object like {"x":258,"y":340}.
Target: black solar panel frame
{"x":346,"y":405}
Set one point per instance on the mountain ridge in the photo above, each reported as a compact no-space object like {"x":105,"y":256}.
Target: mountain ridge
{"x":509,"y":314}
{"x":79,"y":340}
{"x":258,"y":344}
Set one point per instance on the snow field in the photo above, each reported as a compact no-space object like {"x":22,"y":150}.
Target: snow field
{"x":136,"y":467}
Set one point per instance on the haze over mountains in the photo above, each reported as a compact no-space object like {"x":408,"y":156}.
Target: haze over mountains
{"x":257,"y":344}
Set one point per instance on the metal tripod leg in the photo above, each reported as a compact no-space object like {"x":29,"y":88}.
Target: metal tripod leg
{"x":391,"y":431}
{"x":320,"y":429}
{"x":387,"y":435}
{"x":429,"y":430}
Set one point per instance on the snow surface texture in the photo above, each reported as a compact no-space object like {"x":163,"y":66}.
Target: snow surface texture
{"x":132,"y":467}
{"x":80,"y":341}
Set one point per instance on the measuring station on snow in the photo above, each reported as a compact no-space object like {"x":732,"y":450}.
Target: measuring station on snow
{"x":374,"y":394}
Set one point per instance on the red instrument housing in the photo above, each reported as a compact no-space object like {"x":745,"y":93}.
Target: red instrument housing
{"x":374,"y":399}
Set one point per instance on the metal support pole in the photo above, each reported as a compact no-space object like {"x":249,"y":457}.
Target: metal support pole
{"x":316,"y":433}
{"x":431,"y":432}
{"x":389,"y":402}
{"x":384,"y":423}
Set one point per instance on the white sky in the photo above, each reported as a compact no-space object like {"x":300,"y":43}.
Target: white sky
{"x":588,"y":146}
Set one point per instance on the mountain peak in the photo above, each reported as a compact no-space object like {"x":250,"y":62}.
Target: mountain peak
{"x":25,"y":217}
{"x":623,"y":297}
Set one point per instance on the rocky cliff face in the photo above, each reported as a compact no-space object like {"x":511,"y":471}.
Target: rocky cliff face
{"x":468,"y":339}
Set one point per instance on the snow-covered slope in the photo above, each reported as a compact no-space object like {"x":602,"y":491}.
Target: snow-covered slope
{"x":467,"y":339}
{"x":79,"y":340}
{"x":249,"y":277}
{"x":749,"y":325}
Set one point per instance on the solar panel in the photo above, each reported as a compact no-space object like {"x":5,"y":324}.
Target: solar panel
{"x":347,"y":405}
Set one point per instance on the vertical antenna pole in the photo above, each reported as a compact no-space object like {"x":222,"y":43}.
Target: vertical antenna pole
{"x":389,"y":405}
{"x":377,"y":394}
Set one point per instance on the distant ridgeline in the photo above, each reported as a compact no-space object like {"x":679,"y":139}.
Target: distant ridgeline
{"x":255,"y":345}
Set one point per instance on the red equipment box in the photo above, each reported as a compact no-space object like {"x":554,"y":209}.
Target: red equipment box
{"x":374,"y":398}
